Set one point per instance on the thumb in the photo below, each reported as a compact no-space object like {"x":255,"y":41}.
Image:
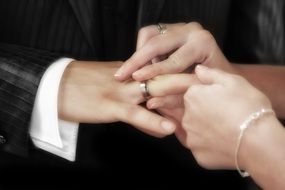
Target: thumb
{"x":208,"y":75}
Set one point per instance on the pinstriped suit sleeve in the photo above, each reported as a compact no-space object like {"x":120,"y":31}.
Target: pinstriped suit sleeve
{"x":21,"y":69}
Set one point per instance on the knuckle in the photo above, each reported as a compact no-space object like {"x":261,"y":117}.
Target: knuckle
{"x":195,"y":25}
{"x":153,"y":44}
{"x":202,"y":160}
{"x":175,"y":63}
{"x":129,"y":112}
{"x":144,"y":31}
{"x":136,"y":100}
{"x":201,"y":37}
{"x":205,"y":36}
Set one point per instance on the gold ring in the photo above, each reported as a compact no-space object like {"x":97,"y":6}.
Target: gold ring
{"x":162,"y":29}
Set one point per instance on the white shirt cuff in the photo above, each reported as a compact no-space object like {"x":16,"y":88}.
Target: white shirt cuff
{"x":47,"y":131}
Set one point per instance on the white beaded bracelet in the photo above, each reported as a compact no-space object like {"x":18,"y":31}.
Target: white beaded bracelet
{"x":253,"y":117}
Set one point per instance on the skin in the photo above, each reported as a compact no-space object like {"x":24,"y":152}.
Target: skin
{"x":183,"y":46}
{"x":211,"y":134}
{"x":89,"y":94}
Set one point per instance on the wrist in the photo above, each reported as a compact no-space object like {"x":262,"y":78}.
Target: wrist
{"x":257,"y":141}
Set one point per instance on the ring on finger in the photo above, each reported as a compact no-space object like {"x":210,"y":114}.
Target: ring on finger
{"x":162,"y":28}
{"x":145,"y":90}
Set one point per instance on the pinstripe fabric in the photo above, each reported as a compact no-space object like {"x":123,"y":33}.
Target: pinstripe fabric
{"x":85,"y":29}
{"x":20,"y":73}
{"x":44,"y":30}
{"x":39,"y":28}
{"x":43,"y":24}
{"x":212,"y":14}
{"x":270,"y":21}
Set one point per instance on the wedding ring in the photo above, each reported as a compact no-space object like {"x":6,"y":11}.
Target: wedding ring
{"x":145,"y":90}
{"x":162,"y":29}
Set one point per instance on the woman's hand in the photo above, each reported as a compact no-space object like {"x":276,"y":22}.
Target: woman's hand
{"x":167,"y":97}
{"x":216,"y":104}
{"x":214,"y":110}
{"x":182,"y":46}
{"x":167,"y":94}
{"x":89,"y":94}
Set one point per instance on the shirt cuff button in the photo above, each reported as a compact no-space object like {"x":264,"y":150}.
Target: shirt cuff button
{"x":2,"y":139}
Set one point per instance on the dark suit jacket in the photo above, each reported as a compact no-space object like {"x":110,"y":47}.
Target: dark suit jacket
{"x":33,"y":34}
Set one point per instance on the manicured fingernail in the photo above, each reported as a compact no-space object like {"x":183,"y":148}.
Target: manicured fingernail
{"x":201,"y":67}
{"x":153,"y":106}
{"x":168,"y":126}
{"x":118,"y":73}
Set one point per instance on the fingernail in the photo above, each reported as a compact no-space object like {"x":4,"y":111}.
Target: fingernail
{"x":201,"y":67}
{"x":118,"y":73}
{"x":153,"y":106}
{"x":168,"y":126}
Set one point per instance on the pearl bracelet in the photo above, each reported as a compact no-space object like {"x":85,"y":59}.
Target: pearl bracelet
{"x":253,"y":117}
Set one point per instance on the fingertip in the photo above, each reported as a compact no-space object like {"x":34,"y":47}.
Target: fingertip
{"x":121,"y":77}
{"x":119,"y":72}
{"x":118,"y":76}
{"x":123,"y":72}
{"x":201,"y":69}
{"x":168,"y":126}
{"x":149,"y":104}
{"x":152,"y":104}
{"x":203,"y":74}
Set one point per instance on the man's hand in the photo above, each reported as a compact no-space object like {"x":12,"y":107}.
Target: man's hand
{"x":89,"y":94}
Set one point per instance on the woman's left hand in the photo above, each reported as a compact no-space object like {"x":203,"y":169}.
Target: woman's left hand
{"x":177,"y":50}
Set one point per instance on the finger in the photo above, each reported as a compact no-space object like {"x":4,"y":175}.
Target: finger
{"x":145,"y":34}
{"x":187,"y":114}
{"x":211,"y":76}
{"x":156,"y":46}
{"x":181,"y":136}
{"x":148,"y":32}
{"x":159,"y":59}
{"x":145,"y":120}
{"x":170,"y":102}
{"x":130,"y":92}
{"x":179,"y":61}
{"x":175,"y":114}
{"x":171,"y":84}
